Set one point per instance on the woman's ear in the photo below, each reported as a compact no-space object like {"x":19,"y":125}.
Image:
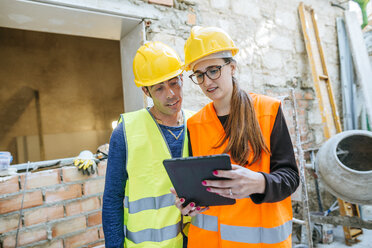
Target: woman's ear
{"x":233,"y":67}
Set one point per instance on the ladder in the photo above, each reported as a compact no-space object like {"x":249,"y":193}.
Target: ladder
{"x":323,"y":88}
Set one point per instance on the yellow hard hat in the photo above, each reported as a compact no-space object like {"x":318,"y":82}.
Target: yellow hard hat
{"x":206,"y":41}
{"x":154,"y":63}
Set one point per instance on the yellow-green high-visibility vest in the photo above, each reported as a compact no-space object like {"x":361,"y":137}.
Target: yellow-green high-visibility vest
{"x":150,"y":217}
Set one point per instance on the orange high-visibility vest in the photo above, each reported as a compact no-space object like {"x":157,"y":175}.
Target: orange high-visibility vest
{"x":244,"y":224}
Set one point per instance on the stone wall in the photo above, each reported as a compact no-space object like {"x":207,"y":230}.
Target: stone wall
{"x":272,"y":59}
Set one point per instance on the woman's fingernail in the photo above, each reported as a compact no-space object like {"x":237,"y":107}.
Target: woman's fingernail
{"x":204,"y":183}
{"x":215,"y":172}
{"x":198,"y":208}
{"x":208,"y":189}
{"x":192,"y":204}
{"x":182,"y":200}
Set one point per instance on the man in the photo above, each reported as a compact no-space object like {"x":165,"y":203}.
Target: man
{"x":143,"y":139}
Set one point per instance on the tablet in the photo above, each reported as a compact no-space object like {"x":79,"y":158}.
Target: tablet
{"x":188,"y":173}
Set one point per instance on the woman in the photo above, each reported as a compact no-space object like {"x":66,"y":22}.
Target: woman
{"x":251,"y":128}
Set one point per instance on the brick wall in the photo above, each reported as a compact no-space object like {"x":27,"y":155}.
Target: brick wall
{"x":61,"y":208}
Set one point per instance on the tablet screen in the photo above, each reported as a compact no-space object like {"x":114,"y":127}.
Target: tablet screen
{"x":187,"y":175}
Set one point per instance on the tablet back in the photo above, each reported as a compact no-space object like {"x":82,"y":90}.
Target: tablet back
{"x":187,"y":175}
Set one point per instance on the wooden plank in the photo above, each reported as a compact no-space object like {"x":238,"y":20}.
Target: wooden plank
{"x":361,"y":61}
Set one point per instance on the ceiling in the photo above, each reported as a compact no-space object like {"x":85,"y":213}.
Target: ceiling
{"x":36,"y":16}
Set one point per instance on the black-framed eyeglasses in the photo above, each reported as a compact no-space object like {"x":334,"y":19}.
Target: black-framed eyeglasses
{"x":213,"y":73}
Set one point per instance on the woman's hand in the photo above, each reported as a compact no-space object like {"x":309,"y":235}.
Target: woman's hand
{"x":191,"y":209}
{"x":243,"y":183}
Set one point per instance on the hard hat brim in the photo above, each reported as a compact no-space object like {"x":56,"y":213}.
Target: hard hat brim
{"x":234,"y":51}
{"x":158,"y":80}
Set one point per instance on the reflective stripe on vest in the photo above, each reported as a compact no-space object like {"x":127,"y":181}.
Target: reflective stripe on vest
{"x":149,"y":212}
{"x":243,"y":234}
{"x":149,"y":203}
{"x":206,"y":222}
{"x":154,"y":235}
{"x":254,"y":235}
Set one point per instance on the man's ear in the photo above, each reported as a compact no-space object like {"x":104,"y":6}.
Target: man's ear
{"x":146,"y":91}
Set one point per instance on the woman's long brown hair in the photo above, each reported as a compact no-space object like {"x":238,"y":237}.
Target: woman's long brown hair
{"x":242,"y":129}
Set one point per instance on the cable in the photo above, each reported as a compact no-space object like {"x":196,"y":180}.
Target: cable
{"x":20,"y":211}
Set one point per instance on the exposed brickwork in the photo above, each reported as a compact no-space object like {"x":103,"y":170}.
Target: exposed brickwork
{"x":94,"y":187}
{"x":40,"y":215}
{"x":101,"y":234}
{"x":81,"y":206}
{"x":9,"y":185}
{"x":69,"y":226}
{"x":87,"y":237}
{"x":13,"y":203}
{"x":54,"y":244}
{"x":9,"y":223}
{"x":102,"y":168}
{"x":53,"y":201}
{"x":24,"y":238}
{"x":41,"y":179}
{"x":63,"y":193}
{"x":95,"y":219}
{"x":71,"y":174}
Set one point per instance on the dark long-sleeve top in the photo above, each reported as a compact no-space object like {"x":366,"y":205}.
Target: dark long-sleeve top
{"x":283,"y":178}
{"x":116,"y":177}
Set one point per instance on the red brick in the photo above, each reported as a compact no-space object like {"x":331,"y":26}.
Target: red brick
{"x":81,"y":206}
{"x":25,"y":237}
{"x":63,"y":193}
{"x":309,"y":95}
{"x":9,"y":223}
{"x":13,"y":203}
{"x":69,"y":226}
{"x":299,"y":95}
{"x":40,"y":215}
{"x":81,"y":239}
{"x":191,"y":19}
{"x":94,"y":186}
{"x":9,"y":185}
{"x":102,"y":168}
{"x":162,"y":2}
{"x":71,"y":174}
{"x":101,"y":234}
{"x":54,"y":244}
{"x":41,"y":179}
{"x":100,"y":244}
{"x":95,"y":219}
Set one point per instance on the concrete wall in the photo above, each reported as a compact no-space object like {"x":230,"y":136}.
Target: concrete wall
{"x":79,"y":83}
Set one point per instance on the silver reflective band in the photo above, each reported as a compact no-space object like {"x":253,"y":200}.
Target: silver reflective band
{"x":207,"y":222}
{"x":254,"y":235}
{"x":149,"y":203}
{"x":153,"y":235}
